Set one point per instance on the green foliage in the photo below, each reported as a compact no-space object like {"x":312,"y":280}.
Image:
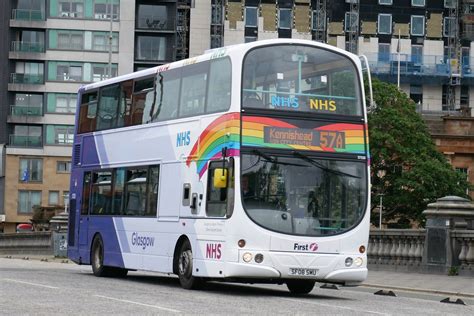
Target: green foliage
{"x":400,"y":145}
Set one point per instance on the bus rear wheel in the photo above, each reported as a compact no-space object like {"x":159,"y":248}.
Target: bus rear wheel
{"x":300,"y":286}
{"x":185,"y":268}
{"x":97,"y":262}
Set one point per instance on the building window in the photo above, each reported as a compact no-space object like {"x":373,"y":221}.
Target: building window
{"x":31,"y":170}
{"x":27,"y":200}
{"x":66,"y":198}
{"x":450,"y":4}
{"x":385,"y":24}
{"x":385,"y":2}
{"x":63,"y":135}
{"x":69,"y":40}
{"x":26,"y":136}
{"x":216,"y":14}
{"x":63,"y":167}
{"x":216,"y":41}
{"x":100,"y":42}
{"x":418,"y":3}
{"x":417,"y":54}
{"x":384,"y":52}
{"x":249,"y":39}
{"x":284,"y":18}
{"x":251,"y":14}
{"x":101,"y":72}
{"x":67,"y":72}
{"x":71,"y":8}
{"x":53,"y":198}
{"x":102,"y":10}
{"x":350,"y":21}
{"x":449,"y":27}
{"x":151,"y":48}
{"x":416,"y":94}
{"x":417,"y":25}
{"x":464,"y":96}
{"x":318,"y":21}
{"x":65,"y":103}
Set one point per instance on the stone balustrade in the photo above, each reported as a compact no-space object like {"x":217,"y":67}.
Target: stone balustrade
{"x":400,"y":247}
{"x":464,"y":249}
{"x":403,"y":250}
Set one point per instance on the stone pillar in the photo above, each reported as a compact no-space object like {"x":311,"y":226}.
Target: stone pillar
{"x":442,"y":218}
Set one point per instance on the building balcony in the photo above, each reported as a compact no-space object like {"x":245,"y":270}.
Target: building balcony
{"x":26,"y":141}
{"x":26,"y":78}
{"x":27,"y":47}
{"x":28,"y":15}
{"x":26,"y":110}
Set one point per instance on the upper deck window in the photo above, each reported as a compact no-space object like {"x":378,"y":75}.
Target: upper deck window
{"x":301,"y":79}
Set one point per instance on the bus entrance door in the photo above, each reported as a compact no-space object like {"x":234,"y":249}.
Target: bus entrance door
{"x":84,"y":211}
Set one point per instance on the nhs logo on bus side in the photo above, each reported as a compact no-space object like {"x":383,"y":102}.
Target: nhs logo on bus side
{"x":183,"y":138}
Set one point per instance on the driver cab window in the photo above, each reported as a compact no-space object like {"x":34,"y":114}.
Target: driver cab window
{"x":220,"y":201}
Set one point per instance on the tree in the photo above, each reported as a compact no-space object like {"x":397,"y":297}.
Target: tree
{"x":405,"y":165}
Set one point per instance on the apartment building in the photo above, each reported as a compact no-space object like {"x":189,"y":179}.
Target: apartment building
{"x":51,"y":48}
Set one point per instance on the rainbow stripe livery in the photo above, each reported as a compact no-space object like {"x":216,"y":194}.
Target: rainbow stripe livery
{"x":222,"y":132}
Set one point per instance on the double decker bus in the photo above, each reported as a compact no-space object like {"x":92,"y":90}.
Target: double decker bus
{"x":249,"y":163}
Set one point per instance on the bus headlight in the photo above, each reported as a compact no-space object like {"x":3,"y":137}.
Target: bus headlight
{"x":258,"y":258}
{"x":358,"y":261}
{"x":247,"y":257}
{"x":349,"y":261}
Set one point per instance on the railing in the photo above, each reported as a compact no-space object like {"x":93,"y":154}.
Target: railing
{"x":28,"y":15}
{"x":155,"y":23}
{"x":403,"y":249}
{"x":421,"y":65}
{"x":26,"y":141}
{"x":31,"y":47}
{"x":396,"y":247}
{"x":464,"y":244}
{"x":26,"y":78}
{"x":26,"y":110}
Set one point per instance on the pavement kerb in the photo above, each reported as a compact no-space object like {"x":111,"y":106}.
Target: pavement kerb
{"x":409,"y":289}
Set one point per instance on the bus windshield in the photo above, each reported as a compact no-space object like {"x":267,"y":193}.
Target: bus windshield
{"x":300,"y":78}
{"x":301,"y":195}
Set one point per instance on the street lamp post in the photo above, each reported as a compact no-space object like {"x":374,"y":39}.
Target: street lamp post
{"x":380,"y":207}
{"x":380,"y":174}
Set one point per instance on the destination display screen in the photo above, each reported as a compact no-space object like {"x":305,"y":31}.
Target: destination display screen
{"x":297,"y":134}
{"x":304,"y":137}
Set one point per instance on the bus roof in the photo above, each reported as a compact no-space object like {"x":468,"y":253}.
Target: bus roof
{"x":210,"y":54}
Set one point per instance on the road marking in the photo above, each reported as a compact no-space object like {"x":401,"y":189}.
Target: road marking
{"x":34,"y":284}
{"x":141,"y":304}
{"x":333,"y":306}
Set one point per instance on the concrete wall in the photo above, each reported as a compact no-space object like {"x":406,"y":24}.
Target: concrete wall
{"x":38,"y":243}
{"x":432,"y":98}
{"x":126,"y":37}
{"x":200,"y":28}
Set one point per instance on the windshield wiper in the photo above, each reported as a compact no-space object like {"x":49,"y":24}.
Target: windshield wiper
{"x":274,"y":160}
{"x":321,"y":166}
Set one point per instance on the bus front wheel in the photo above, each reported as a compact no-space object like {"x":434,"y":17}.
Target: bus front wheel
{"x":97,"y":261}
{"x":300,"y":286}
{"x":185,"y":268}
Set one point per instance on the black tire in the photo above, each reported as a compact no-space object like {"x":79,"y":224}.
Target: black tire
{"x":185,"y":268}
{"x":97,"y":261}
{"x":300,"y":286}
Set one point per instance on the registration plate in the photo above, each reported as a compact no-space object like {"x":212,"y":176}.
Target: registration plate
{"x":303,"y":271}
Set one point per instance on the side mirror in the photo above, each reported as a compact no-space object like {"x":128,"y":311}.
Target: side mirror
{"x":220,"y":178}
